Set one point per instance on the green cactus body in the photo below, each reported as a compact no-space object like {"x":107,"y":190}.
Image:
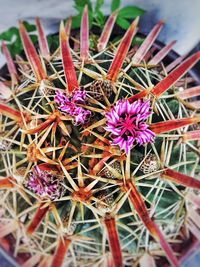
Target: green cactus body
{"x":99,"y":150}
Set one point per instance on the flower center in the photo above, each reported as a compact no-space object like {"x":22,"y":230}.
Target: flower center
{"x":127,"y":125}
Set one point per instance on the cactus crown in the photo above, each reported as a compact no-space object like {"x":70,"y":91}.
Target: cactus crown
{"x":99,"y":149}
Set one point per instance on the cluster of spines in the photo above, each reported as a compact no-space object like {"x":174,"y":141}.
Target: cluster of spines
{"x":81,"y":192}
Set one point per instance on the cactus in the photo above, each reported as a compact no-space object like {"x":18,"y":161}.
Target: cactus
{"x":99,"y":150}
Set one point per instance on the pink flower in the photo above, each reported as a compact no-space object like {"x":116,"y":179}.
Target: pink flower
{"x":126,"y":122}
{"x":44,"y":184}
{"x":68,"y":105}
{"x":79,"y":96}
{"x":81,"y":115}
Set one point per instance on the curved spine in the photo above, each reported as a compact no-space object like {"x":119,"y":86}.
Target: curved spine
{"x":122,"y":51}
{"x":68,"y":66}
{"x":139,"y":205}
{"x":42,"y":40}
{"x":170,"y":125}
{"x":31,"y":54}
{"x":105,"y":35}
{"x":144,"y":48}
{"x":84,"y":35}
{"x":113,"y":241}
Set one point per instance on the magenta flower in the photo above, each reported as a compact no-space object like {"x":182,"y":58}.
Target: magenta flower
{"x":68,"y":105}
{"x":44,"y":184}
{"x":126,"y":122}
{"x":79,"y":96}
{"x":81,"y":115}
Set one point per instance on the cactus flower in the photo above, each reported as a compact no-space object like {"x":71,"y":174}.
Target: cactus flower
{"x":44,"y":184}
{"x":127,"y":125}
{"x":68,"y":105}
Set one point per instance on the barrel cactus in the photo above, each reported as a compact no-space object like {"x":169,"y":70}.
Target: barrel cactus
{"x":99,"y":150}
